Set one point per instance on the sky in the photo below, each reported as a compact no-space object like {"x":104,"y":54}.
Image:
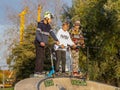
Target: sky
{"x":16,"y":5}
{"x":6,"y":4}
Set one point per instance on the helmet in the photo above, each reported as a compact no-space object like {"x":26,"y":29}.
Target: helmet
{"x":47,"y":14}
{"x":77,"y":23}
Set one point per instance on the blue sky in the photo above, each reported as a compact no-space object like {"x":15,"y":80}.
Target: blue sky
{"x":6,"y":4}
{"x":16,"y":5}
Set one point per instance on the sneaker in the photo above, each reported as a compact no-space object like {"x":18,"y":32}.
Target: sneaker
{"x":38,"y":74}
{"x":65,"y":74}
{"x":76,"y":74}
{"x":57,"y":73}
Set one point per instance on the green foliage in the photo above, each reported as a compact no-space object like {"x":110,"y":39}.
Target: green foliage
{"x":22,"y":57}
{"x":100,"y":20}
{"x":1,"y":76}
{"x":8,"y":88}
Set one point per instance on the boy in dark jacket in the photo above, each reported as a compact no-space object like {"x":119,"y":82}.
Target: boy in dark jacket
{"x":43,"y":31}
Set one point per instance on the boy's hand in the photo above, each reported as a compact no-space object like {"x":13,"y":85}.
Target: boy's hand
{"x":74,"y":46}
{"x":42,"y":44}
{"x":62,"y":46}
{"x":57,"y":42}
{"x":83,"y":46}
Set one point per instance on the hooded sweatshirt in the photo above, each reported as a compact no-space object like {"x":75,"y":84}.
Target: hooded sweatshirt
{"x":64,"y":38}
{"x":43,"y":31}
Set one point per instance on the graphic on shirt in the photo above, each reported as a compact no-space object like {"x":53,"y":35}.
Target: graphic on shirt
{"x":64,"y":36}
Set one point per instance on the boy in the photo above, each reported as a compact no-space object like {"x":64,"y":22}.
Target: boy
{"x":65,"y":40}
{"x":42,"y":33}
{"x":77,"y":37}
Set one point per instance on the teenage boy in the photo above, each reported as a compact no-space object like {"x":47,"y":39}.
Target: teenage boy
{"x":65,"y":40}
{"x":77,"y":37}
{"x":42,"y":33}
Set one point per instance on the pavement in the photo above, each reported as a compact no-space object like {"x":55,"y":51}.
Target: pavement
{"x":61,"y":83}
{"x":27,"y":84}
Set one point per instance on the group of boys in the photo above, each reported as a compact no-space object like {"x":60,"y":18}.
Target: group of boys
{"x":63,"y":38}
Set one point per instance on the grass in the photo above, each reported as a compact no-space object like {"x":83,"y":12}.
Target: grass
{"x":6,"y":88}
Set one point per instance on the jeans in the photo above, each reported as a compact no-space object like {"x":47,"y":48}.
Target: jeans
{"x":60,"y":56}
{"x":40,"y":57}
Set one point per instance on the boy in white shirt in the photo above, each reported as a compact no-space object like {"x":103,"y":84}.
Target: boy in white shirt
{"x":65,"y":40}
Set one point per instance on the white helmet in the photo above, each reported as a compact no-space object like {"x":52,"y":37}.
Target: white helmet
{"x":47,"y":14}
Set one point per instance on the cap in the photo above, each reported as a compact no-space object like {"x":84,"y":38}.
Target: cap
{"x":77,"y":23}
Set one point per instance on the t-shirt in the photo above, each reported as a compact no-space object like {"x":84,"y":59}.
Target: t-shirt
{"x":77,"y":37}
{"x":64,"y":38}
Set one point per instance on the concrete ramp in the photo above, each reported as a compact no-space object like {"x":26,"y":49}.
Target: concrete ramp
{"x":27,"y":84}
{"x":61,"y":83}
{"x":74,"y":84}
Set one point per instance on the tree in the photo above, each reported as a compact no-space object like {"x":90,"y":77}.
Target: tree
{"x":100,"y":21}
{"x":23,"y":56}
{"x":1,"y":76}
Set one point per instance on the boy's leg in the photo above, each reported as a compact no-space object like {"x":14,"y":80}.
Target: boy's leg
{"x":40,"y":56}
{"x":63,"y":58}
{"x":75,"y":56}
{"x":58,"y":58}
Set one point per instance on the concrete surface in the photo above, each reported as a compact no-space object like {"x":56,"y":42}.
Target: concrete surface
{"x":31,"y":84}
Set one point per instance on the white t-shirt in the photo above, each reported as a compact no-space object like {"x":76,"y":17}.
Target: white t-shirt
{"x":64,"y":38}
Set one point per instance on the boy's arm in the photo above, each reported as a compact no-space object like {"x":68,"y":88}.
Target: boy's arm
{"x":53,"y":35}
{"x":70,"y":42}
{"x":39,"y":35}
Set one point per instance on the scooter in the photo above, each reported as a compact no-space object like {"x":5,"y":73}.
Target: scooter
{"x":52,"y":71}
{"x":71,"y":61}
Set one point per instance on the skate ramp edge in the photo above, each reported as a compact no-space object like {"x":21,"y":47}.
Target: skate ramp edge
{"x":60,"y":83}
{"x":73,"y":84}
{"x":27,"y":84}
